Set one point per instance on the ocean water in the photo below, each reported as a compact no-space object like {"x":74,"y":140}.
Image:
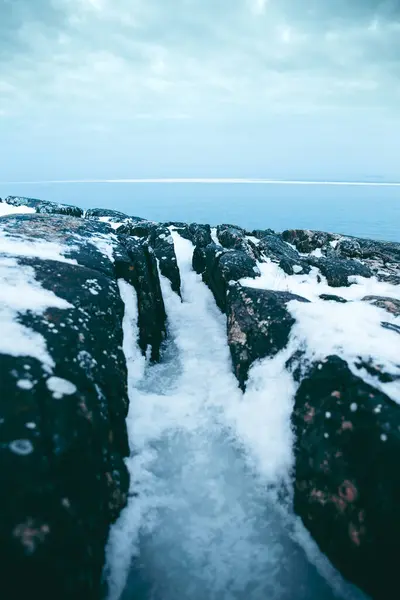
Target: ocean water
{"x":368,"y":211}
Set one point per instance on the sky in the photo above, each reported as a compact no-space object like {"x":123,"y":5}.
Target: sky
{"x":199,"y":88}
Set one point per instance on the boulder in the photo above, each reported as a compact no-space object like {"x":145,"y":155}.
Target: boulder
{"x":347,"y":480}
{"x":392,"y":305}
{"x":199,"y":235}
{"x":274,"y":248}
{"x":114,"y":215}
{"x":306,"y":240}
{"x":338,"y":270}
{"x":218,"y":267}
{"x":259,"y":325}
{"x":333,"y":298}
{"x":136,"y":227}
{"x":44,"y":206}
{"x":236,"y":238}
{"x":63,"y":406}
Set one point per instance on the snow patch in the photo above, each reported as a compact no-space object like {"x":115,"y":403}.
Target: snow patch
{"x":60,"y":387}
{"x":8,"y":209}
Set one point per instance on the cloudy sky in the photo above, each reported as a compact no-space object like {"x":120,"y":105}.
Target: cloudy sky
{"x":199,"y":88}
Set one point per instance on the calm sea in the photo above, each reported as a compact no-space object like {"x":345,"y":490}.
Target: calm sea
{"x":362,"y":211}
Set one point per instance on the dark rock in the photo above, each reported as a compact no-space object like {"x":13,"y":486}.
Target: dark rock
{"x":44,"y":206}
{"x":138,"y":266}
{"x":219,"y":266}
{"x":136,"y":228}
{"x":62,"y":422}
{"x":260,"y":233}
{"x":349,"y":248}
{"x":235,"y":238}
{"x":199,"y":235}
{"x":391,"y":326}
{"x":392,"y":305}
{"x":347,"y":478}
{"x":96,"y":213}
{"x":332,"y":298}
{"x":338,"y":270}
{"x":85,"y":241}
{"x":161,"y":241}
{"x":306,"y":240}
{"x":259,"y":325}
{"x":279,"y":251}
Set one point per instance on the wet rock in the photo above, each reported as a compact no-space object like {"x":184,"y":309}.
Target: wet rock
{"x":347,"y":479}
{"x":44,"y":206}
{"x":259,"y":325}
{"x":138,"y":266}
{"x":160,"y":239}
{"x":62,"y":417}
{"x":306,"y":240}
{"x":392,"y":305}
{"x":219,"y":266}
{"x":332,"y":298}
{"x":337,"y":271}
{"x":279,"y":251}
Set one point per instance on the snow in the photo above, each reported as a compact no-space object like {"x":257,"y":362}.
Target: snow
{"x":60,"y":387}
{"x":352,"y":330}
{"x":8,"y":209}
{"x":20,"y":293}
{"x":17,"y":245}
{"x":110,"y":222}
{"x":206,"y":463}
{"x":214,"y":236}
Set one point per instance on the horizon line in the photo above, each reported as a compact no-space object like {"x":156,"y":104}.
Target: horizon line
{"x":216,"y":180}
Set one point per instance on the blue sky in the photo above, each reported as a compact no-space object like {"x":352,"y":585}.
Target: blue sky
{"x":199,"y":88}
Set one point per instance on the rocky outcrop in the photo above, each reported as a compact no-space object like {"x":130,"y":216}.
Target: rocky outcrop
{"x":63,"y":377}
{"x":44,"y":206}
{"x":62,"y":408}
{"x":137,"y":265}
{"x":259,"y":325}
{"x":218,"y":267}
{"x":98,"y":213}
{"x":347,"y":478}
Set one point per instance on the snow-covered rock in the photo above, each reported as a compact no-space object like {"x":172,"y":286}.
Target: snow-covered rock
{"x":308,"y":323}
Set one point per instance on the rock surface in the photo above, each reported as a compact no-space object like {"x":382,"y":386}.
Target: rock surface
{"x":329,"y":303}
{"x":347,"y":477}
{"x":259,"y":325}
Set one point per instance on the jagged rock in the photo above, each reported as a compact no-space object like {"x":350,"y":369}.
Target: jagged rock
{"x":219,"y":266}
{"x":278,"y":251}
{"x":62,"y":408}
{"x":260,"y":233}
{"x":332,"y":298}
{"x":136,"y":227}
{"x":306,"y":240}
{"x":234,"y":238}
{"x":138,"y":266}
{"x":347,"y":478}
{"x":391,"y":326}
{"x":44,"y":206}
{"x":349,"y":248}
{"x":392,"y":305}
{"x":338,"y":270}
{"x":114,"y":215}
{"x":199,"y":235}
{"x":259,"y":325}
{"x":161,"y":241}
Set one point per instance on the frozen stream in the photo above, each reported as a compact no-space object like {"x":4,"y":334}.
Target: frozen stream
{"x":206,"y":463}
